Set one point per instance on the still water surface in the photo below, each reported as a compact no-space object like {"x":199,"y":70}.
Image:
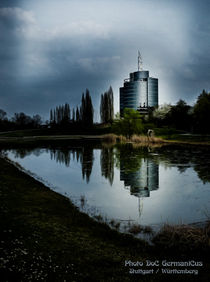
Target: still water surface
{"x":149,"y":186}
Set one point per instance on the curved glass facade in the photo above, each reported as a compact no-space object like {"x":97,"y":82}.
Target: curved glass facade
{"x":152,"y":92}
{"x":139,"y":90}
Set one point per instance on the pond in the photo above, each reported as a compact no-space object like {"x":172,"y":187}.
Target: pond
{"x":126,"y":183}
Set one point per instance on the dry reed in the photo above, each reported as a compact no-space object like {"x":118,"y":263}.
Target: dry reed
{"x":111,"y":138}
{"x":183,"y":237}
{"x":135,"y":229}
{"x":145,"y":139}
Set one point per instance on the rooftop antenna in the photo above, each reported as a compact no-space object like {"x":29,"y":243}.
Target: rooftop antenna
{"x":140,"y":62}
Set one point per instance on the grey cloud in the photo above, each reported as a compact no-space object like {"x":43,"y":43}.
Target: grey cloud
{"x":44,"y":64}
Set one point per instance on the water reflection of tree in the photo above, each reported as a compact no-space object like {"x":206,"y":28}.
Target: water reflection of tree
{"x":130,"y":157}
{"x":84,"y":155}
{"x":107,"y":163}
{"x":61,"y":156}
{"x":23,"y":152}
{"x":196,"y":157}
{"x":125,"y":157}
{"x":87,"y":160}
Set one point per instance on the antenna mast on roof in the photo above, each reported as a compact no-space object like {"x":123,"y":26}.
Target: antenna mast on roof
{"x":140,"y":62}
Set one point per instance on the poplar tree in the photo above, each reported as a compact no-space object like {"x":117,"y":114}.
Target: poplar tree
{"x":107,"y":106}
{"x":86,"y":109}
{"x":73,"y":115}
{"x":77,"y":115}
{"x":61,"y":114}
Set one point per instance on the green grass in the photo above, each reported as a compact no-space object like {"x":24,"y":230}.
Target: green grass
{"x":44,"y":236}
{"x":97,"y":129}
{"x":171,"y":134}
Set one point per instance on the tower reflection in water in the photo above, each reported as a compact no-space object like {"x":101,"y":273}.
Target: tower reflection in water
{"x":141,"y":181}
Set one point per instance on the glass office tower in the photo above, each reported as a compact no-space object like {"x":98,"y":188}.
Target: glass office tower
{"x":139,"y":91}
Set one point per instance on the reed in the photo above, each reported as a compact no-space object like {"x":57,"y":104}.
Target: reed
{"x":121,"y":139}
{"x":113,"y":138}
{"x":145,"y":139}
{"x":135,"y":229}
{"x":183,"y":238}
{"x":110,"y":138}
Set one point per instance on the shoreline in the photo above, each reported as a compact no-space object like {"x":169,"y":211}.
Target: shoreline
{"x":44,"y":236}
{"x":80,"y":137}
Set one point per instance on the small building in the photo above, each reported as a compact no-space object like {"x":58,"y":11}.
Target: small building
{"x":139,"y":92}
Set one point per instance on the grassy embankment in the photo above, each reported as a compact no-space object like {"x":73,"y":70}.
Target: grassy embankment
{"x":45,"y":237}
{"x":162,"y":136}
{"x":172,"y":135}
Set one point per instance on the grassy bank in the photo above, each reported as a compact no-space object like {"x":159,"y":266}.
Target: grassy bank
{"x":76,"y":130}
{"x":45,"y":238}
{"x":39,"y":136}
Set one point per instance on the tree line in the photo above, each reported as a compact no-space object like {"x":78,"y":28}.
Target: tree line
{"x":63,"y":116}
{"x":195,"y":119}
{"x":168,"y":118}
{"x":19,"y":121}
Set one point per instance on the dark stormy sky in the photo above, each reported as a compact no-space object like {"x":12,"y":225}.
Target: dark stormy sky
{"x":52,"y":50}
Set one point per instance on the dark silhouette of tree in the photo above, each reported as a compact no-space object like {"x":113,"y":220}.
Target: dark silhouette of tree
{"x":78,"y":115}
{"x":19,"y":121}
{"x":66,"y":113}
{"x":86,"y":109}
{"x":107,"y":106}
{"x":22,"y":120}
{"x":201,"y":113}
{"x":52,"y":120}
{"x":3,"y":115}
{"x":5,"y":124}
{"x":60,"y":115}
{"x":37,"y":121}
{"x":73,"y":115}
{"x":179,"y":116}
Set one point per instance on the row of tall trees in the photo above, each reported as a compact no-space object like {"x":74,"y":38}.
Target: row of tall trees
{"x":63,"y":115}
{"x":60,"y":114}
